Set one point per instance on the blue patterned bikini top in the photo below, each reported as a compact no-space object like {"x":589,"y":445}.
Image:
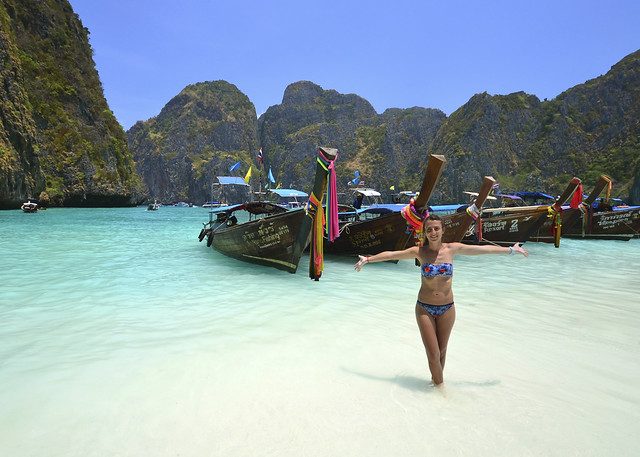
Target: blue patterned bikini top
{"x":429,"y":270}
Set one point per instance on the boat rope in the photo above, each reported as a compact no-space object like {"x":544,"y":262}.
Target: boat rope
{"x":474,"y":212}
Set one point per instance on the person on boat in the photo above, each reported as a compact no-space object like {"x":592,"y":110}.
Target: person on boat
{"x":435,"y":311}
{"x":357,"y":203}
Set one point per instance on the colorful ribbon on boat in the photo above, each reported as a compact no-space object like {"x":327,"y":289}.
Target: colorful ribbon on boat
{"x":315,"y":209}
{"x":415,"y":219}
{"x":555,"y":212}
{"x":333,"y":227}
{"x":475,"y":214}
{"x":608,"y":191}
{"x":577,"y":198}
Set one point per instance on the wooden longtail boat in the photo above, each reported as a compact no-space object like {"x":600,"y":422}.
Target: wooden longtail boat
{"x":617,"y":224}
{"x":572,"y":215}
{"x":388,"y":231}
{"x":456,"y":225}
{"x":273,"y":236}
{"x":603,"y":221}
{"x":506,"y":226}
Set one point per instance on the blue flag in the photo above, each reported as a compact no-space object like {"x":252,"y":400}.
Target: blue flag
{"x":271,"y":176}
{"x":234,"y":167}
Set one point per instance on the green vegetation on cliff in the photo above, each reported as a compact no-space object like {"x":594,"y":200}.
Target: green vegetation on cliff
{"x":76,"y":142}
{"x":197,"y":136}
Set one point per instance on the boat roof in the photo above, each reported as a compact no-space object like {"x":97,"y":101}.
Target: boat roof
{"x":475,"y":194}
{"x":251,"y":207}
{"x":535,"y":195}
{"x":510,"y":197}
{"x":225,"y":180}
{"x":289,"y":193}
{"x":437,"y":208}
{"x":368,"y":192}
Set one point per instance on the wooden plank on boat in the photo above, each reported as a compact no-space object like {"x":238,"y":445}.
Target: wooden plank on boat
{"x":435,"y":165}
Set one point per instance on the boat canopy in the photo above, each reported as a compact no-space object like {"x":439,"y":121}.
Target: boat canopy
{"x":289,"y":193}
{"x":510,"y":197}
{"x":444,"y":208}
{"x":534,"y":195}
{"x":225,"y":180}
{"x":251,"y":207}
{"x":368,"y":192}
{"x":475,"y":194}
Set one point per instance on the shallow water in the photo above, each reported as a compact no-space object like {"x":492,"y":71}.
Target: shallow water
{"x":120,"y":334}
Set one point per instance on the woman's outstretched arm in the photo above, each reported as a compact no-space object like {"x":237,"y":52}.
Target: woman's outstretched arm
{"x":410,"y":253}
{"x":474,"y":249}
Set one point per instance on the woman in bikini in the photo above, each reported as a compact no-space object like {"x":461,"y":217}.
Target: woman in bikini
{"x":435,"y":311}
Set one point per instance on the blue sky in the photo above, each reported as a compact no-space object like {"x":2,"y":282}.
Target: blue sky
{"x":395,"y":54}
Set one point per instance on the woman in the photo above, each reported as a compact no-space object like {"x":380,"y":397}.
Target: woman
{"x":435,"y":310}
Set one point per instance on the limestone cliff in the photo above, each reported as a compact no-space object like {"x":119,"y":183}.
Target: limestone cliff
{"x":59,"y":141}
{"x":198,"y":135}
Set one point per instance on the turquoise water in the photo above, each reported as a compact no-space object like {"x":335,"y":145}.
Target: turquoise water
{"x":120,"y":334}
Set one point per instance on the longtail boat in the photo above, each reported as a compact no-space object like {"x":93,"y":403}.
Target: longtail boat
{"x":601,"y":221}
{"x":620,"y":223}
{"x":506,"y":226}
{"x":273,"y":236}
{"x":375,"y":230}
{"x":457,"y":224}
{"x":570,"y":215}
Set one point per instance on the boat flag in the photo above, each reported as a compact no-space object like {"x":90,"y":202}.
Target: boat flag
{"x":248,"y":176}
{"x":392,"y":188}
{"x":260,"y":156}
{"x":234,"y":167}
{"x":271,"y":176}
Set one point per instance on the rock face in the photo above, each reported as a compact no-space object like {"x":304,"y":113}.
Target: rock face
{"x":589,"y":130}
{"x":200,"y":134}
{"x":384,"y":149}
{"x":59,"y":141}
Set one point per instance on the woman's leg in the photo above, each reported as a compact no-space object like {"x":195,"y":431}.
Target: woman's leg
{"x":427,"y":326}
{"x":444,"y":324}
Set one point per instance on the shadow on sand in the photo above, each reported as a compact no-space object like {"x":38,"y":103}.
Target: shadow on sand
{"x":420,"y":384}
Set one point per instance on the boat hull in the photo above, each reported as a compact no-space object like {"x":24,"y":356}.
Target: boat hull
{"x":617,"y":225}
{"x":387,"y":232}
{"x":274,"y":241}
{"x":506,"y":229}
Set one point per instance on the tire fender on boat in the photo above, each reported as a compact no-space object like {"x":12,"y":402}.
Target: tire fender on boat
{"x":209,"y":239}
{"x":203,"y":233}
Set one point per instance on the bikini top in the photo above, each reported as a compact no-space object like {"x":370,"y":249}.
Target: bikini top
{"x":429,"y":270}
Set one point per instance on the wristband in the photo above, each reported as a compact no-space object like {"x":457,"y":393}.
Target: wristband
{"x":511,"y":247}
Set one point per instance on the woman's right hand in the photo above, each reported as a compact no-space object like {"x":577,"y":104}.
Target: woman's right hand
{"x":361,"y":262}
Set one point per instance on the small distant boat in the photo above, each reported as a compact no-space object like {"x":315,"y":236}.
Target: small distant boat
{"x":30,"y":206}
{"x":153,"y":206}
{"x":274,"y":235}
